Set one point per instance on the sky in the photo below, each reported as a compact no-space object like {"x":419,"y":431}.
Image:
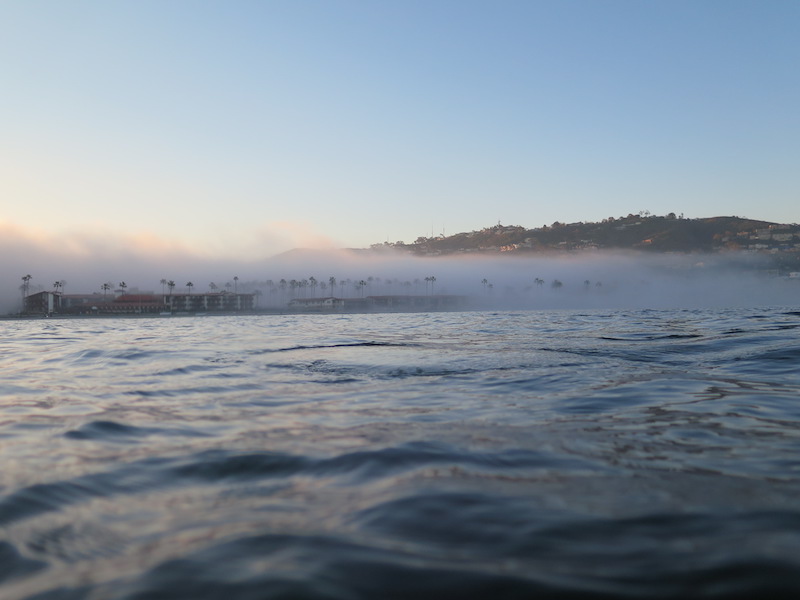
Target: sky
{"x":238,"y":130}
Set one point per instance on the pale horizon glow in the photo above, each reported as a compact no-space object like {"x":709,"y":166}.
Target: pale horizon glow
{"x":237,"y":131}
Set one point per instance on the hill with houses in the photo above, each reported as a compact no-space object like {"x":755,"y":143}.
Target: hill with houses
{"x":641,"y":232}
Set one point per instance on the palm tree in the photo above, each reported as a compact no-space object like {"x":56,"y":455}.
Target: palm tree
{"x":433,"y":280}
{"x":360,"y":286}
{"x":212,"y":286}
{"x":171,"y":286}
{"x":163,"y":282}
{"x":235,"y":284}
{"x":56,"y":285}
{"x":312,"y":281}
{"x":105,"y":287}
{"x":189,"y":285}
{"x":484,"y":281}
{"x":332,"y":282}
{"x":539,"y":282}
{"x":26,"y":284}
{"x":122,"y":286}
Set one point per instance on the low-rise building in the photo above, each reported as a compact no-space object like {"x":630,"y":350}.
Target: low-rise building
{"x":211,"y":302}
{"x":317,"y":304}
{"x":408,"y":302}
{"x":80,"y":303}
{"x":397,"y":302}
{"x":51,"y":303}
{"x":42,"y":303}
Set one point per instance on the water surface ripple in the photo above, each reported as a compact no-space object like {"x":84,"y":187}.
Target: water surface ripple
{"x":595,"y":454}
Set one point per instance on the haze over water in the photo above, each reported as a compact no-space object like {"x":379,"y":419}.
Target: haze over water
{"x":591,"y":453}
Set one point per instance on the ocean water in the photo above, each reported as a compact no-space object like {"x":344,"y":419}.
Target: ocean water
{"x":592,"y":454}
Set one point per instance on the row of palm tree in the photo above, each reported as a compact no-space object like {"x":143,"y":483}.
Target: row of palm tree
{"x":26,"y":285}
{"x":58,"y":286}
{"x":297,"y":287}
{"x":300,"y":287}
{"x":539,"y":282}
{"x":213,"y":287}
{"x":307,"y":287}
{"x":165,"y":284}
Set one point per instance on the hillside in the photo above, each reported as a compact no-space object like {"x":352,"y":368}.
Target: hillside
{"x":643,"y":232}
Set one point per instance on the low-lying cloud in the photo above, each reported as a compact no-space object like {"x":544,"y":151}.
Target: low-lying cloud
{"x":589,"y":280}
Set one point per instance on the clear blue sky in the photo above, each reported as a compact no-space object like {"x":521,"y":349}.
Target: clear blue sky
{"x":250,"y":127}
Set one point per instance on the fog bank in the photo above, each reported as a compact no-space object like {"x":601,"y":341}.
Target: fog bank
{"x":581,"y":280}
{"x":589,"y":280}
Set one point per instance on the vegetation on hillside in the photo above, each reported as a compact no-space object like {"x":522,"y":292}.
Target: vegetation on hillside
{"x":643,"y":231}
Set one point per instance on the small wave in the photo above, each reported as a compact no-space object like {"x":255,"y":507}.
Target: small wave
{"x":381,"y":463}
{"x":324,"y":567}
{"x":790,"y":354}
{"x":505,"y":557}
{"x":75,"y":542}
{"x":652,"y":338}
{"x":216,"y":466}
{"x":111,"y":431}
{"x":773,"y":361}
{"x":13,"y":564}
{"x":327,"y":346}
{"x":190,"y":369}
{"x":361,"y":466}
{"x":46,"y":497}
{"x":42,"y":498}
{"x":106,"y":430}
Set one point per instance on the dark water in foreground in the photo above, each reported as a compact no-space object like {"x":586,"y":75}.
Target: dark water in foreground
{"x":450,"y":455}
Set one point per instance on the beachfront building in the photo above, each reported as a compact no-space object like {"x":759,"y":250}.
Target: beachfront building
{"x":54,"y":303}
{"x":317,"y":304}
{"x":402,"y":302}
{"x":42,"y":303}
{"x":83,"y":303}
{"x":131,"y":304}
{"x":389,"y":303}
{"x":212,"y":302}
